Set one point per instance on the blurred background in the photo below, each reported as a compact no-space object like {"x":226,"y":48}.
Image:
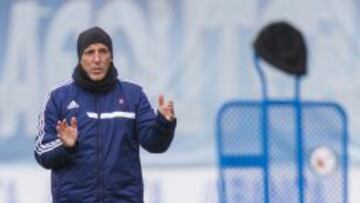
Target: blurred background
{"x":196,"y":52}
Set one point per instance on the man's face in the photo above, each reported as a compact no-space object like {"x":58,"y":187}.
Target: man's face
{"x":96,"y":60}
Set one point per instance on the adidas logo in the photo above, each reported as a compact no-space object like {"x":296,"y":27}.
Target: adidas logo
{"x":72,"y":105}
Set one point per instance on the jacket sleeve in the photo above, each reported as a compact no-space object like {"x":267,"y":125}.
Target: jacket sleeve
{"x":155,"y":132}
{"x":49,"y":150}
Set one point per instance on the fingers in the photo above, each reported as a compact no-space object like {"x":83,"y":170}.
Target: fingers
{"x":161,"y":100}
{"x":73,"y":122}
{"x":63,"y":125}
{"x":58,"y":128}
{"x":171,"y":104}
{"x":166,"y":108}
{"x":67,"y":133}
{"x":171,"y":108}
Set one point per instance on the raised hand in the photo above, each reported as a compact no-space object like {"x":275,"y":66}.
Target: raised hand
{"x":68,"y":134}
{"x":166,"y":108}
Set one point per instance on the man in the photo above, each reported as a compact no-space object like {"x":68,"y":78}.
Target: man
{"x":92,"y":126}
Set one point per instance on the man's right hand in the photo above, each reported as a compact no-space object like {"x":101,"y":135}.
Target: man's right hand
{"x":68,"y":134}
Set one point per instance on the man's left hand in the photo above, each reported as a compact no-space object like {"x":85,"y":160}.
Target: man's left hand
{"x":166,"y":108}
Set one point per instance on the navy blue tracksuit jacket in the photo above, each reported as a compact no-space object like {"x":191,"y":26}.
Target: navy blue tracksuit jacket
{"x":104,"y":166}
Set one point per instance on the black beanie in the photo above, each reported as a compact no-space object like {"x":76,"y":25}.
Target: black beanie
{"x":91,"y":36}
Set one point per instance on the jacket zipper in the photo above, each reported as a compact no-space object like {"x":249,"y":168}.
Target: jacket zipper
{"x":98,"y":150}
